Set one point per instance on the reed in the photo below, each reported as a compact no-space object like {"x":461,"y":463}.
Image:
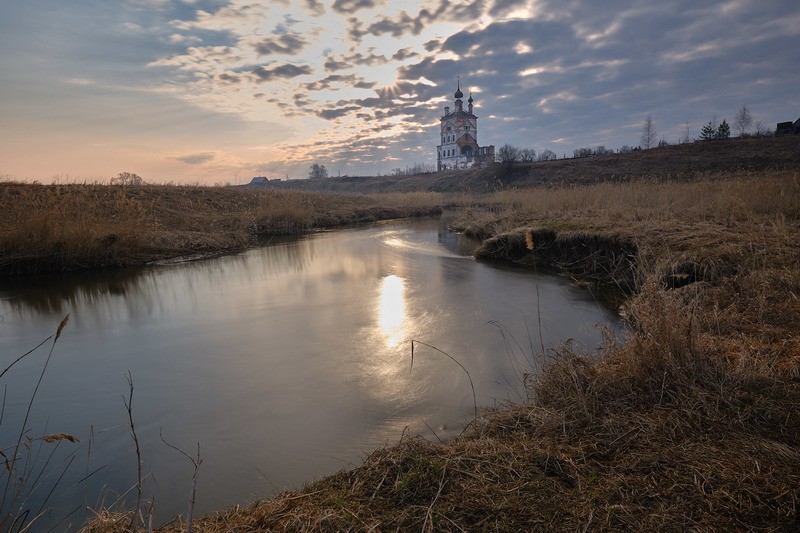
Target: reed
{"x":47,"y":228}
{"x":31,"y":472}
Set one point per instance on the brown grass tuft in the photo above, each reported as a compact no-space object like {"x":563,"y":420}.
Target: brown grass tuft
{"x":55,"y":437}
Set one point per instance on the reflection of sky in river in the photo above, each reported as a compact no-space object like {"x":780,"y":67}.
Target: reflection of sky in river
{"x":290,"y":360}
{"x":392,"y":309}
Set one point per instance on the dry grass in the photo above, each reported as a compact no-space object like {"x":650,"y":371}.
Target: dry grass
{"x":71,"y":227}
{"x":691,"y":424}
{"x":686,"y":162}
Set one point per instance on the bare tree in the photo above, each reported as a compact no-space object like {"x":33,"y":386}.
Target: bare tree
{"x":317,"y":171}
{"x":687,"y":132}
{"x":528,"y":155}
{"x":583,"y":151}
{"x":507,"y":155}
{"x":648,"y":132}
{"x":742,"y":121}
{"x":547,"y":155}
{"x":761,"y":129}
{"x":602,"y":150}
{"x":127,"y":178}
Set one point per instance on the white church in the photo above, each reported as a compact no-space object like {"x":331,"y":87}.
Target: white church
{"x":459,"y":129}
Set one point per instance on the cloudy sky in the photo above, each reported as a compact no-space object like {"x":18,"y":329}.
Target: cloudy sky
{"x":216,"y":91}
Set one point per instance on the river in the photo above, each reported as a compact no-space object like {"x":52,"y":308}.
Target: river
{"x":285,"y":363}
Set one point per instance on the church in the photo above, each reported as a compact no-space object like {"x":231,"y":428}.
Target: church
{"x":459,"y":129}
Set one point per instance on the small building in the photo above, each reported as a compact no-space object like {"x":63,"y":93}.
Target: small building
{"x":263,"y":180}
{"x":459,"y":147}
{"x":787,"y":128}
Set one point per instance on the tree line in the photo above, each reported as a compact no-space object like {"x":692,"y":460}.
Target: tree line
{"x":742,"y":124}
{"x":509,"y":154}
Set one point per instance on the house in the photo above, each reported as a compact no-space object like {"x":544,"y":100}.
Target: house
{"x":459,"y":136}
{"x":787,"y":128}
{"x":261,"y":180}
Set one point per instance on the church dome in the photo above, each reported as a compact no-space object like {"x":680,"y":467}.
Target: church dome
{"x":458,"y":93}
{"x":470,"y":98}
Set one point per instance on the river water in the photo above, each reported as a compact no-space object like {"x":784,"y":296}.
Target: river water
{"x":285,"y":363}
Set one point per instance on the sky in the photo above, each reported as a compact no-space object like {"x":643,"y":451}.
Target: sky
{"x":220,"y":91}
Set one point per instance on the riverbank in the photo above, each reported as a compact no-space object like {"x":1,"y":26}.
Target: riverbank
{"x":690,"y":423}
{"x":58,"y":228}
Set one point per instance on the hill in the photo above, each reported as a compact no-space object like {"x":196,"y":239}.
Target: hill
{"x":681,"y":162}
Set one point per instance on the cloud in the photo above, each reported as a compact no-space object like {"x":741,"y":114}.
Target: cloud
{"x":345,"y":61}
{"x":403,"y":23}
{"x":403,"y":54}
{"x":286,"y":70}
{"x":226,"y":19}
{"x":227,"y":77}
{"x":351,"y":6}
{"x":177,"y":38}
{"x":333,"y":113}
{"x":287,"y":44}
{"x":349,"y":80}
{"x":195,"y":159}
{"x":334,"y":65}
{"x":201,"y":58}
{"x":314,"y":7}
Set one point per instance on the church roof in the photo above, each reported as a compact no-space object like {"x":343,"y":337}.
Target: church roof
{"x":458,"y":93}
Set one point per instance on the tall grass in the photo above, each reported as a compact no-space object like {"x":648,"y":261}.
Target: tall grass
{"x":32,"y":469}
{"x":46,"y":228}
{"x":52,"y":227}
{"x":722,"y":198}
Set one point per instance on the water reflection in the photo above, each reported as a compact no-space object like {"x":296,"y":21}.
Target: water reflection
{"x":392,"y":309}
{"x":55,"y":294}
{"x":300,"y":347}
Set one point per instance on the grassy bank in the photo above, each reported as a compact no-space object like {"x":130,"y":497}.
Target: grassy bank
{"x":692,"y":423}
{"x":51,"y":228}
{"x":684,"y":162}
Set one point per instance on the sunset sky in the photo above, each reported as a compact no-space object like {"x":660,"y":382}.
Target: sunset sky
{"x":214,"y":91}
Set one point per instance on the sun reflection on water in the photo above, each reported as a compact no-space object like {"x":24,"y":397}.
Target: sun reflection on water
{"x":392,"y":309}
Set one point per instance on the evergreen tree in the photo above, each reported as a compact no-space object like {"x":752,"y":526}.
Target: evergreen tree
{"x":724,"y":131}
{"x":708,"y":132}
